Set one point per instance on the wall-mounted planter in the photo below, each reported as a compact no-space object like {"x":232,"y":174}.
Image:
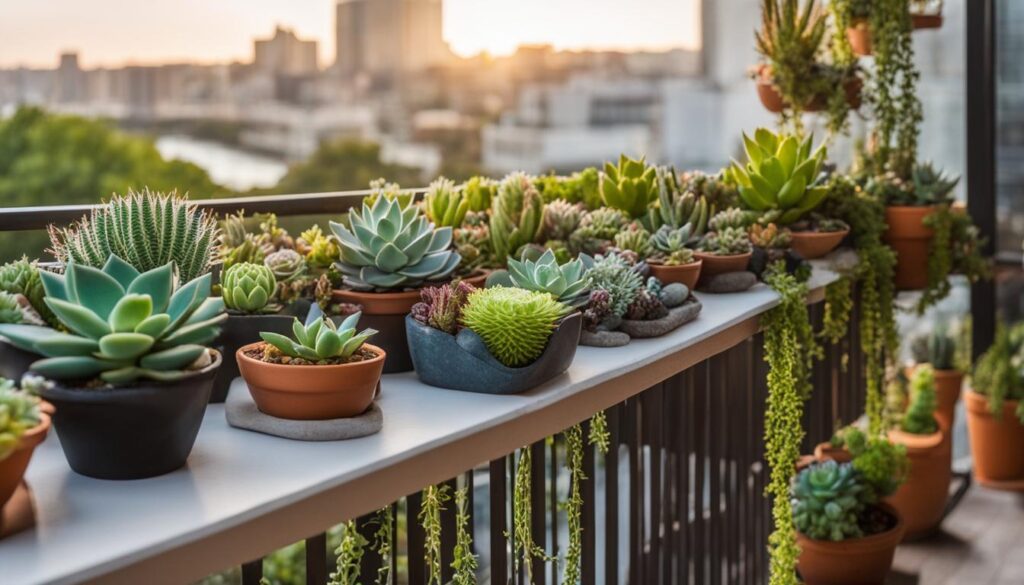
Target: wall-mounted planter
{"x":912,"y":241}
{"x":12,"y":468}
{"x":131,"y":432}
{"x":687,"y":274}
{"x":854,"y":561}
{"x":811,"y":245}
{"x":921,"y":500}
{"x":774,"y":103}
{"x":997,"y":442}
{"x":462,"y":362}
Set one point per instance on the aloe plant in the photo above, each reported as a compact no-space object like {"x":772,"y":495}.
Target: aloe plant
{"x":676,"y":209}
{"x":391,"y":246}
{"x":122,"y":325}
{"x":629,"y":186}
{"x":319,"y":339}
{"x":567,"y":283}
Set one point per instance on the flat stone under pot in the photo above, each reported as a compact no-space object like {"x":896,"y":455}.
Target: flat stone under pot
{"x":132,"y":432}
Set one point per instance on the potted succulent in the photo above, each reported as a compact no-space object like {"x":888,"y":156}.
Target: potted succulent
{"x":22,"y":303}
{"x":726,"y":247}
{"x":23,"y":426}
{"x":567,"y":283}
{"x":597,"y":230}
{"x":630,"y":186}
{"x":131,"y":377}
{"x":671,"y":259}
{"x":517,"y":213}
{"x":323,"y":372}
{"x":938,"y":349}
{"x":995,"y":410}
{"x":388,"y":251}
{"x":496,"y":340}
{"x":817,"y":236}
{"x":921,"y":500}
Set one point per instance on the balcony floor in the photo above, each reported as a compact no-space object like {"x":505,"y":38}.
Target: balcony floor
{"x":982,"y":543}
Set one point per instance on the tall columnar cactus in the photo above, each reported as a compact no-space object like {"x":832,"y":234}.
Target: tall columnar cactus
{"x":146,"y":229}
{"x":391,"y":246}
{"x":629,"y":186}
{"x":827,"y":499}
{"x":514,"y":323}
{"x":444,"y":205}
{"x":19,"y":412}
{"x":248,"y":288}
{"x":123,"y":325}
{"x":920,"y":416}
{"x":516,"y":214}
{"x":21,"y":277}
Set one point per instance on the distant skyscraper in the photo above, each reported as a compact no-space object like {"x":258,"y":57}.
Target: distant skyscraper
{"x":70,"y":86}
{"x":389,"y":36}
{"x":285,"y":54}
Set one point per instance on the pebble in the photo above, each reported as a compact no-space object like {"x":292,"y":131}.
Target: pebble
{"x":603,"y":338}
{"x":728,"y":282}
{"x":674,"y":294}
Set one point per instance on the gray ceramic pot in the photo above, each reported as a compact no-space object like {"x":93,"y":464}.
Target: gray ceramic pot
{"x":462,"y":362}
{"x":14,"y":362}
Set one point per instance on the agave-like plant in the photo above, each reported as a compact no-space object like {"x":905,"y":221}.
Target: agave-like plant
{"x":123,"y":325}
{"x":390,"y":246}
{"x":676,"y":209}
{"x":568,"y":282}
{"x":629,"y":186}
{"x":319,"y":339}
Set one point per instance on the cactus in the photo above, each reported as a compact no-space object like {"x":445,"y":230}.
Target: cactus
{"x":733,"y":217}
{"x":726,"y":242}
{"x":123,"y":325}
{"x":516,"y":214}
{"x":567,"y":283}
{"x":381,"y":188}
{"x":920,"y":416}
{"x":391,"y":247}
{"x":10,"y":310}
{"x":596,"y":230}
{"x":321,"y":250}
{"x":514,"y":323}
{"x":19,"y":412}
{"x":21,"y":277}
{"x":479,"y":191}
{"x":473,"y":243}
{"x":634,"y":239}
{"x":827,"y":500}
{"x":319,"y":340}
{"x":248,"y":288}
{"x":629,"y":186}
{"x":441,"y":307}
{"x":937,"y":348}
{"x":286,"y":265}
{"x":146,"y":229}
{"x":613,"y":274}
{"x":561,"y":219}
{"x":719,"y":192}
{"x":444,"y":205}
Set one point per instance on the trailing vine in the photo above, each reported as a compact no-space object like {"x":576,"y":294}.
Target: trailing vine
{"x":524,"y":548}
{"x":350,"y":555}
{"x":434,"y":499}
{"x":955,"y":247}
{"x":838,"y":308}
{"x":382,"y":539}
{"x":574,"y":505}
{"x":599,"y":435}
{"x":464,"y":562}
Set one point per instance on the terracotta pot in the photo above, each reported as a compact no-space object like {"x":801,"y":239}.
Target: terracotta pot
{"x":855,"y":561}
{"x":859,"y":36}
{"x":997,"y":443}
{"x":13,"y":467}
{"x":924,"y":21}
{"x":687,"y":274}
{"x":911,"y":240}
{"x":242,"y":330}
{"x":947,"y":392}
{"x":921,"y":500}
{"x":826,"y":452}
{"x":773,"y":102}
{"x":713,"y":264}
{"x":312,"y":392}
{"x":811,"y":245}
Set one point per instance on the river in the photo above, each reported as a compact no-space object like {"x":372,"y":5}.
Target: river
{"x":231,"y":167}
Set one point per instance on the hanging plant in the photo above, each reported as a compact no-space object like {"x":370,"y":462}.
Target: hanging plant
{"x":524,"y":547}
{"x":434,"y":499}
{"x":955,"y":248}
{"x":350,"y":556}
{"x":838,"y":308}
{"x":599,"y":435}
{"x":382,"y":539}
{"x":464,"y":562}
{"x":574,"y":505}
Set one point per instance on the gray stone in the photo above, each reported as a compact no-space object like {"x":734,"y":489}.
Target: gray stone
{"x":674,"y":294}
{"x":604,"y":338}
{"x":728,"y":282}
{"x":242,"y":413}
{"x":676,"y":317}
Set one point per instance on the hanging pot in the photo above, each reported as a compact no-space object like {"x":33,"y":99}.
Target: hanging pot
{"x":926,"y":21}
{"x":859,"y":36}
{"x":811,"y":245}
{"x":907,"y":235}
{"x":774,"y":102}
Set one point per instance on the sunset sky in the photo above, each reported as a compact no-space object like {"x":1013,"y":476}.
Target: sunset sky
{"x":114,"y":32}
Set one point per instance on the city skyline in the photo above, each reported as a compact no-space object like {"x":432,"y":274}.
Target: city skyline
{"x":114,"y":33}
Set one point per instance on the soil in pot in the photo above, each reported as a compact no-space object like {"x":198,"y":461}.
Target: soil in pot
{"x":312,"y":392}
{"x":240,"y":330}
{"x":921,"y":500}
{"x":997,"y":443}
{"x":131,"y":432}
{"x":854,"y":561}
{"x":713,"y":264}
{"x":911,"y":240}
{"x":687,"y":274}
{"x":12,"y":468}
{"x":811,"y":245}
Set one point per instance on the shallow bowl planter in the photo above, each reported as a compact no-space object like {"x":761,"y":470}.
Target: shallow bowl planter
{"x":240,"y":330}
{"x":921,"y":500}
{"x":131,"y":432}
{"x":772,"y":100}
{"x":687,"y":274}
{"x":811,"y":245}
{"x":13,"y":467}
{"x":854,"y":561}
{"x":462,"y":362}
{"x":997,"y":442}
{"x":14,"y":361}
{"x":911,"y":240}
{"x":713,"y":264}
{"x":312,"y":392}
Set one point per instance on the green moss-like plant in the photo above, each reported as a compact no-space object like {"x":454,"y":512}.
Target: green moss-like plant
{"x":920,"y":416}
{"x":514,"y":323}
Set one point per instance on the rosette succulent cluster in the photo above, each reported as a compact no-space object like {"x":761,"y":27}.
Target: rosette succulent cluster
{"x":319,"y":340}
{"x":613,"y":274}
{"x":248,"y":288}
{"x":597,"y":230}
{"x":769,"y":236}
{"x":440,"y":307}
{"x":567,"y":283}
{"x":286,"y":265}
{"x":726,"y":242}
{"x":516,"y":215}
{"x":629,"y":186}
{"x":828,"y":498}
{"x":670,"y":245}
{"x":561,"y":219}
{"x":123,"y":325}
{"x":389,"y":246}
{"x":19,"y":412}
{"x":514,"y":323}
{"x":634,"y":239}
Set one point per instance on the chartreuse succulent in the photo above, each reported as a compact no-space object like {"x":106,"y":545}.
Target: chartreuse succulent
{"x":567,"y":283}
{"x":514,"y":323}
{"x":596,"y":229}
{"x":780,"y":178}
{"x":479,"y":191}
{"x":629,"y":186}
{"x":634,"y":239}
{"x":393,"y":246}
{"x":19,"y":412}
{"x":248,"y":288}
{"x":21,"y":277}
{"x":920,"y":416}
{"x":319,"y":339}
{"x":517,"y":211}
{"x":827,"y":499}
{"x":320,"y":249}
{"x":444,"y":205}
{"x":122,"y":325}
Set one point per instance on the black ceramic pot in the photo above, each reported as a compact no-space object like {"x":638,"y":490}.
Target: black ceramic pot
{"x":390,"y":337}
{"x":462,"y":362}
{"x":240,"y":330}
{"x":131,"y":432}
{"x":14,"y":362}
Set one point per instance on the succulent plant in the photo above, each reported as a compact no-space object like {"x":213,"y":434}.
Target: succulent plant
{"x":319,"y":340}
{"x":381,"y":188}
{"x":726,"y":242}
{"x":937,"y":348}
{"x":444,"y":205}
{"x":21,"y":277}
{"x":123,"y":325}
{"x":248,"y":288}
{"x":931,"y":185}
{"x":669,"y":245}
{"x":516,"y":214}
{"x":390,"y":247}
{"x":596,"y":230}
{"x":733,"y":217}
{"x":440,"y":307}
{"x":769,"y":236}
{"x":587,"y":184}
{"x":473,"y":243}
{"x":634,"y":239}
{"x":567,"y":283}
{"x":320,"y":249}
{"x":920,"y":416}
{"x":647,"y":305}
{"x":514,"y":323}
{"x":629,"y":186}
{"x":882,"y":464}
{"x":250,"y":251}
{"x":719,"y":192}
{"x":675,"y":208}
{"x":276,"y":236}
{"x":827,"y":500}
{"x":613,"y":274}
{"x":146,"y":229}
{"x":10,"y":309}
{"x":598,"y":309}
{"x":561,"y":219}
{"x":286,"y":265}
{"x":781,"y":175}
{"x":479,"y":191}
{"x":19,"y":412}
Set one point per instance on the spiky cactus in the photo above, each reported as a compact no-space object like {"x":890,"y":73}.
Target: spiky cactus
{"x":731,"y":218}
{"x":561,"y":219}
{"x":146,"y":229}
{"x":920,"y":416}
{"x":21,"y":277}
{"x":444,"y":205}
{"x":516,"y":213}
{"x":479,"y":191}
{"x":827,"y":500}
{"x":634,"y":239}
{"x":514,"y":323}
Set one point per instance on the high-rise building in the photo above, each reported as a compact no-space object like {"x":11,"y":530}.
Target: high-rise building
{"x":389,"y":37}
{"x":285,"y":54}
{"x":70,"y":81}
